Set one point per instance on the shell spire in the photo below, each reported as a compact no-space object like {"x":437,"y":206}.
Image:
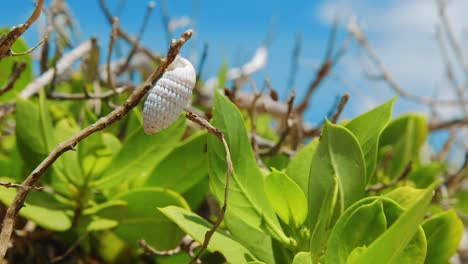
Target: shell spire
{"x":170,"y":95}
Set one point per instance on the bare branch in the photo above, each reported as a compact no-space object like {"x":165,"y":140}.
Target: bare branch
{"x":19,"y":186}
{"x":220,"y":136}
{"x":110,"y":80}
{"x":69,"y":144}
{"x":7,"y":40}
{"x":357,"y":33}
{"x":341,"y":105}
{"x":16,"y":73}
{"x":380,"y":186}
{"x":63,"y":64}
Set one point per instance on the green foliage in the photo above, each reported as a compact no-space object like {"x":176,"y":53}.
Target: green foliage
{"x":121,"y":185}
{"x":6,"y":68}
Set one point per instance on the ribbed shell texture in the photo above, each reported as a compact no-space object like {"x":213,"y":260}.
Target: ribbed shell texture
{"x":172,"y":92}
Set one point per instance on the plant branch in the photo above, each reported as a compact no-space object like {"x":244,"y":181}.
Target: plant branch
{"x":220,"y":136}
{"x":69,"y":144}
{"x":16,"y":73}
{"x":7,"y":40}
{"x":341,"y":105}
{"x":380,"y":186}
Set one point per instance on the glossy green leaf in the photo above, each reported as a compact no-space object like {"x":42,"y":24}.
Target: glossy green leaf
{"x":197,"y":227}
{"x":140,"y":154}
{"x":299,"y":166}
{"x":367,"y":129}
{"x":443,"y":232}
{"x":391,"y":244}
{"x":257,"y":241}
{"x":143,"y":220}
{"x":302,"y":258}
{"x":41,"y":208}
{"x":404,"y":137}
{"x":338,"y":155}
{"x":184,"y":167}
{"x":247,"y":199}
{"x":34,"y":132}
{"x":405,"y":196}
{"x":6,"y":65}
{"x":286,"y":198}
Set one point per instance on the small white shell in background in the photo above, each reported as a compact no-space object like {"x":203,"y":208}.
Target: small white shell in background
{"x":169,"y":96}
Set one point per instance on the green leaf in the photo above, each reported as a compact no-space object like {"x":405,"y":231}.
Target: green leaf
{"x":405,"y":196}
{"x":444,"y":232}
{"x":34,"y":132}
{"x":144,"y":221}
{"x":338,"y":155}
{"x":140,"y":154}
{"x":426,"y":174}
{"x":103,"y":216}
{"x":365,"y":222}
{"x":404,"y":137}
{"x":286,"y":198}
{"x":247,"y":199}
{"x":255,"y":240}
{"x":41,"y":208}
{"x":299,"y":166}
{"x":179,"y":171}
{"x":391,"y":244}
{"x":6,"y":65}
{"x":302,"y":258}
{"x":197,"y":227}
{"x":359,"y":226}
{"x":367,"y":129}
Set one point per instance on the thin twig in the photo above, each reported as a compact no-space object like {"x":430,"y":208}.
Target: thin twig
{"x":380,"y":186}
{"x":165,"y":19}
{"x":341,"y":105}
{"x":19,"y":186}
{"x":29,"y":50}
{"x":63,"y":64}
{"x":16,"y":73}
{"x":110,"y":80}
{"x":295,"y":60}
{"x":7,"y":40}
{"x":273,"y":94}
{"x":220,"y":136}
{"x":87,"y":95}
{"x":385,"y":75}
{"x":125,"y":36}
{"x":288,"y":120}
{"x":448,"y":124}
{"x":69,"y":144}
{"x":202,"y":61}
{"x":447,"y":146}
{"x":70,"y":249}
{"x":253,"y":122}
{"x":134,"y":49}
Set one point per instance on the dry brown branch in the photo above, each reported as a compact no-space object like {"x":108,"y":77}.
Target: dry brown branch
{"x":134,"y":49}
{"x":288,"y":120}
{"x":295,"y":61}
{"x":16,"y":73}
{"x":110,"y":80}
{"x":220,"y":136}
{"x":448,"y":124}
{"x":125,"y":36}
{"x":323,"y":71}
{"x":341,"y":105}
{"x":69,"y":144}
{"x":87,"y":96}
{"x":385,"y":75}
{"x":380,"y":186}
{"x":70,"y":249}
{"x":202,"y":61}
{"x":447,"y":146}
{"x":253,"y":122}
{"x":7,"y":40}
{"x":273,"y":94}
{"x":62,"y":65}
{"x":451,"y":36}
{"x":19,"y":186}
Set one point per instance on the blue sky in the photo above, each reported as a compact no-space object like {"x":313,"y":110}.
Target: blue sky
{"x":402,"y":32}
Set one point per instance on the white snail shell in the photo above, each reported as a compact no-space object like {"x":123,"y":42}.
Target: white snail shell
{"x":169,"y":96}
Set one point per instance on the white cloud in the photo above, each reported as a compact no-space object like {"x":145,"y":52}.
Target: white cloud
{"x":403,"y":34}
